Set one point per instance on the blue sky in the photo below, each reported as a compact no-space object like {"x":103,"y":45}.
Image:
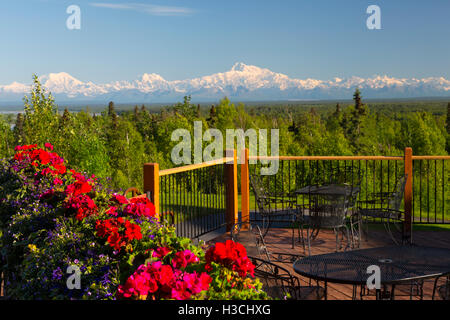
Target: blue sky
{"x":318,"y":39}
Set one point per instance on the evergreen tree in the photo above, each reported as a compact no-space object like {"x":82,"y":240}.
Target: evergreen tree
{"x":112,"y":114}
{"x":212,"y":117}
{"x":18,"y":129}
{"x":447,"y":147}
{"x":111,"y":109}
{"x":352,"y":121}
{"x":65,"y":119}
{"x":337,"y":112}
{"x":448,"y":118}
{"x":136,"y":113}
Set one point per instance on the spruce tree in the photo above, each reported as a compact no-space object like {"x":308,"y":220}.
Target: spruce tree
{"x":212,"y":116}
{"x":448,"y":129}
{"x":65,"y":118}
{"x":136,"y":113}
{"x":111,"y":109}
{"x":448,"y":118}
{"x":112,"y":114}
{"x":18,"y":129}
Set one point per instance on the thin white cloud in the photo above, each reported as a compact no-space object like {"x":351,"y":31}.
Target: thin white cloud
{"x":151,"y":9}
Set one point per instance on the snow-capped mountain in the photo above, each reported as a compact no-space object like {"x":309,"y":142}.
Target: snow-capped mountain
{"x":244,"y":82}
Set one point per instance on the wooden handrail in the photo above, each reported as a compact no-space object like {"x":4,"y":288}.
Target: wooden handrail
{"x":347,"y":158}
{"x":431,"y":157}
{"x":195,"y":166}
{"x":326,"y":158}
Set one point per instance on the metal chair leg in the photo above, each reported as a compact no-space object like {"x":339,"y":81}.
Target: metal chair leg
{"x":309,"y":242}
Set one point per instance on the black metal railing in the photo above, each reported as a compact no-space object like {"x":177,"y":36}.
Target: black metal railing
{"x":194,"y":200}
{"x":431,"y":191}
{"x":374,"y":175}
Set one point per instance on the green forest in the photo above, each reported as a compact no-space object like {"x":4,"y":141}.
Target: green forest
{"x":116,"y":143}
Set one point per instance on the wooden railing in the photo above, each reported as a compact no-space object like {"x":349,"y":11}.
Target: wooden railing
{"x":383,"y":170}
{"x":196,"y":214}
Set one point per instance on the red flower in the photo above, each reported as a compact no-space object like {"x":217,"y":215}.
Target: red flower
{"x":82,"y":205}
{"x":78,"y":187}
{"x":115,"y":240}
{"x":112,"y":211}
{"x":119,"y":232}
{"x":161,"y":252}
{"x":231,"y":255}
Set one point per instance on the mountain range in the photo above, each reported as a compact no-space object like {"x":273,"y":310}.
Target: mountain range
{"x":243,"y":82}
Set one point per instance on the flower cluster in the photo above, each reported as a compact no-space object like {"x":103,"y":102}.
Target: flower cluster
{"x":81,"y":205}
{"x":140,"y":207}
{"x":53,"y":217}
{"x":50,"y":162}
{"x":183,"y":258}
{"x":80,"y":186}
{"x":118,"y":232}
{"x":232,"y":255}
{"x":163,"y":281}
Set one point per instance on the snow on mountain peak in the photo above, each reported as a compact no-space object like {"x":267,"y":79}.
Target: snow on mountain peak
{"x":149,"y":77}
{"x":241,"y":81}
{"x":239,"y":66}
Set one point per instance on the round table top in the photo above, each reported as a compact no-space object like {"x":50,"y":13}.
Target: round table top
{"x":330,"y":189}
{"x":397,"y":264}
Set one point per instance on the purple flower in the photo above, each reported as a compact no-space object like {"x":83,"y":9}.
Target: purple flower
{"x":57,"y":274}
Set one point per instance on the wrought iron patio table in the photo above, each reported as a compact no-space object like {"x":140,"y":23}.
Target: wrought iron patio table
{"x":331,"y":189}
{"x":398,"y":265}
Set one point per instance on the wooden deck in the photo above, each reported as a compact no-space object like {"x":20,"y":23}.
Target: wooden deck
{"x":279,"y":240}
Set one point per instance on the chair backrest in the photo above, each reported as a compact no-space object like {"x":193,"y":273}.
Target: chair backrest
{"x":250,"y":236}
{"x":352,"y":198}
{"x":328,"y":211}
{"x":277,"y":281}
{"x":396,"y":197}
{"x":260,"y":193}
{"x":345,"y":175}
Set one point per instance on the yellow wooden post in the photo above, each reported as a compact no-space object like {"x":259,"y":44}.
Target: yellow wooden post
{"x":151,"y":183}
{"x":245,"y":188}
{"x":231,"y":211}
{"x":407,"y":224}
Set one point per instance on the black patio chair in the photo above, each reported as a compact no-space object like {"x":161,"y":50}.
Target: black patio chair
{"x":278,"y":283}
{"x":268,"y":206}
{"x":443,"y":290}
{"x":250,"y":236}
{"x":386,"y":208}
{"x":324,"y":212}
{"x":354,"y":218}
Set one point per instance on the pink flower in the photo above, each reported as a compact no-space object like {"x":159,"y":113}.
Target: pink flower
{"x":48,"y":146}
{"x":183,"y":258}
{"x":196,"y":283}
{"x":57,"y":181}
{"x":119,"y":199}
{"x":180,"y":291}
{"x":140,"y":207}
{"x":112,"y":211}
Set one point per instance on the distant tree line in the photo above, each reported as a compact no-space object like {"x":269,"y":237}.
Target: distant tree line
{"x":115,"y":144}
